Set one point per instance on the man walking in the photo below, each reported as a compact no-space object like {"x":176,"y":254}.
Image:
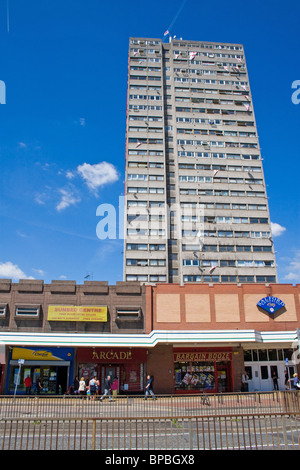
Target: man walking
{"x":107,"y":388}
{"x":148,"y":389}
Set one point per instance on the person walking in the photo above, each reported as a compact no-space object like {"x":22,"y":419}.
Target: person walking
{"x":149,"y":388}
{"x":296,"y":382}
{"x":93,"y":388}
{"x":107,"y":389}
{"x":82,"y":387}
{"x":97,"y":386}
{"x":76,"y":385}
{"x":28,"y":384}
{"x":114,"y":387}
{"x":38,"y":385}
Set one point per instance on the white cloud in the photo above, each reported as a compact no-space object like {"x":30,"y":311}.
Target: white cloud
{"x":277,"y":229}
{"x":40,"y":272}
{"x":70,"y":175}
{"x":12,"y":271}
{"x":68,"y":198}
{"x":293,"y":269}
{"x":41,"y":198}
{"x":98,"y":175}
{"x":94,"y":177}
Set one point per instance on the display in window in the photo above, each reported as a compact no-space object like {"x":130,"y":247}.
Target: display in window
{"x":199,"y":376}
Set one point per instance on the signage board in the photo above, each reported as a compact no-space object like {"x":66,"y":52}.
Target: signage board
{"x":270,"y":304}
{"x":112,"y":355}
{"x":77,"y":313}
{"x":186,"y":356}
{"x":41,"y":354}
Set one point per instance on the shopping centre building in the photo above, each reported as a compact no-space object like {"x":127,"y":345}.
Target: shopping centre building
{"x":200,"y":302}
{"x":189,"y":337}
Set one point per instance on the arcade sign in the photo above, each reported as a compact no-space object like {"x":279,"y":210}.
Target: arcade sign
{"x":270,"y":304}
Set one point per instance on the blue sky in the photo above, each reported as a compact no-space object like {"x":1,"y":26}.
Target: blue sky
{"x":62,"y":152}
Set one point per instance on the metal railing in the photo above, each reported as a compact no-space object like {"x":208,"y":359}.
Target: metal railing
{"x":222,"y":421}
{"x":225,"y":432}
{"x":136,"y":406}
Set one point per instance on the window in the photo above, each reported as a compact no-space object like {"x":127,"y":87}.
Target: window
{"x":28,"y":311}
{"x":128,"y":313}
{"x":228,"y":279}
{"x":3,"y":308}
{"x":157,"y":247}
{"x":264,"y":372}
{"x":136,"y":246}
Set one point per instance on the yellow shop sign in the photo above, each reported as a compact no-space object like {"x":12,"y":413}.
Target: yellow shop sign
{"x":75,"y":313}
{"x":33,"y":355}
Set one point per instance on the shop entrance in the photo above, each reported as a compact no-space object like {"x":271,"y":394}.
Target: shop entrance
{"x":112,"y":371}
{"x":62,"y":380}
{"x":126,"y":364}
{"x":223,"y":377}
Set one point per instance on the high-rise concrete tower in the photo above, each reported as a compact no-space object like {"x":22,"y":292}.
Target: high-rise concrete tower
{"x":196,"y":203}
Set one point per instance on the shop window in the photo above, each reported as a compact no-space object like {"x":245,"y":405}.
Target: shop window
{"x":255,"y":354}
{"x":196,"y":376}
{"x":288,"y":354}
{"x":280,"y":355}
{"x":263,"y":354}
{"x":247,"y":355}
{"x":132,"y":378}
{"x":272,"y":355}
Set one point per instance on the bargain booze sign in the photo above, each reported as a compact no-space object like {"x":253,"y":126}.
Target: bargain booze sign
{"x":211,"y":356}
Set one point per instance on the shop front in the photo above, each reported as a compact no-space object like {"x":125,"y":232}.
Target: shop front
{"x":199,"y":370}
{"x":53,"y":367}
{"x":128,"y":365}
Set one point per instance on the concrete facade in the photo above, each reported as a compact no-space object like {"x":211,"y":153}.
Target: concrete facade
{"x":124,"y":302}
{"x":196,"y":201}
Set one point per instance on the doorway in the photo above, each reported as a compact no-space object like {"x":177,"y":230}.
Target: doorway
{"x":223,"y":377}
{"x":260,"y":376}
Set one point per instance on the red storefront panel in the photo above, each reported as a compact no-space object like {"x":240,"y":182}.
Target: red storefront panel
{"x":126,"y":364}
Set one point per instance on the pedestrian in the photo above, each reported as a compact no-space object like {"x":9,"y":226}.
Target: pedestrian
{"x":82,"y":387}
{"x":114,"y":387}
{"x":38,"y":385}
{"x":296,"y":382}
{"x":97,"y":386}
{"x":149,"y":388}
{"x":245,"y":379}
{"x":286,"y":380}
{"x":76,"y":386}
{"x":28,"y":384}
{"x":107,"y":388}
{"x":275,"y":380}
{"x":92,"y":388}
